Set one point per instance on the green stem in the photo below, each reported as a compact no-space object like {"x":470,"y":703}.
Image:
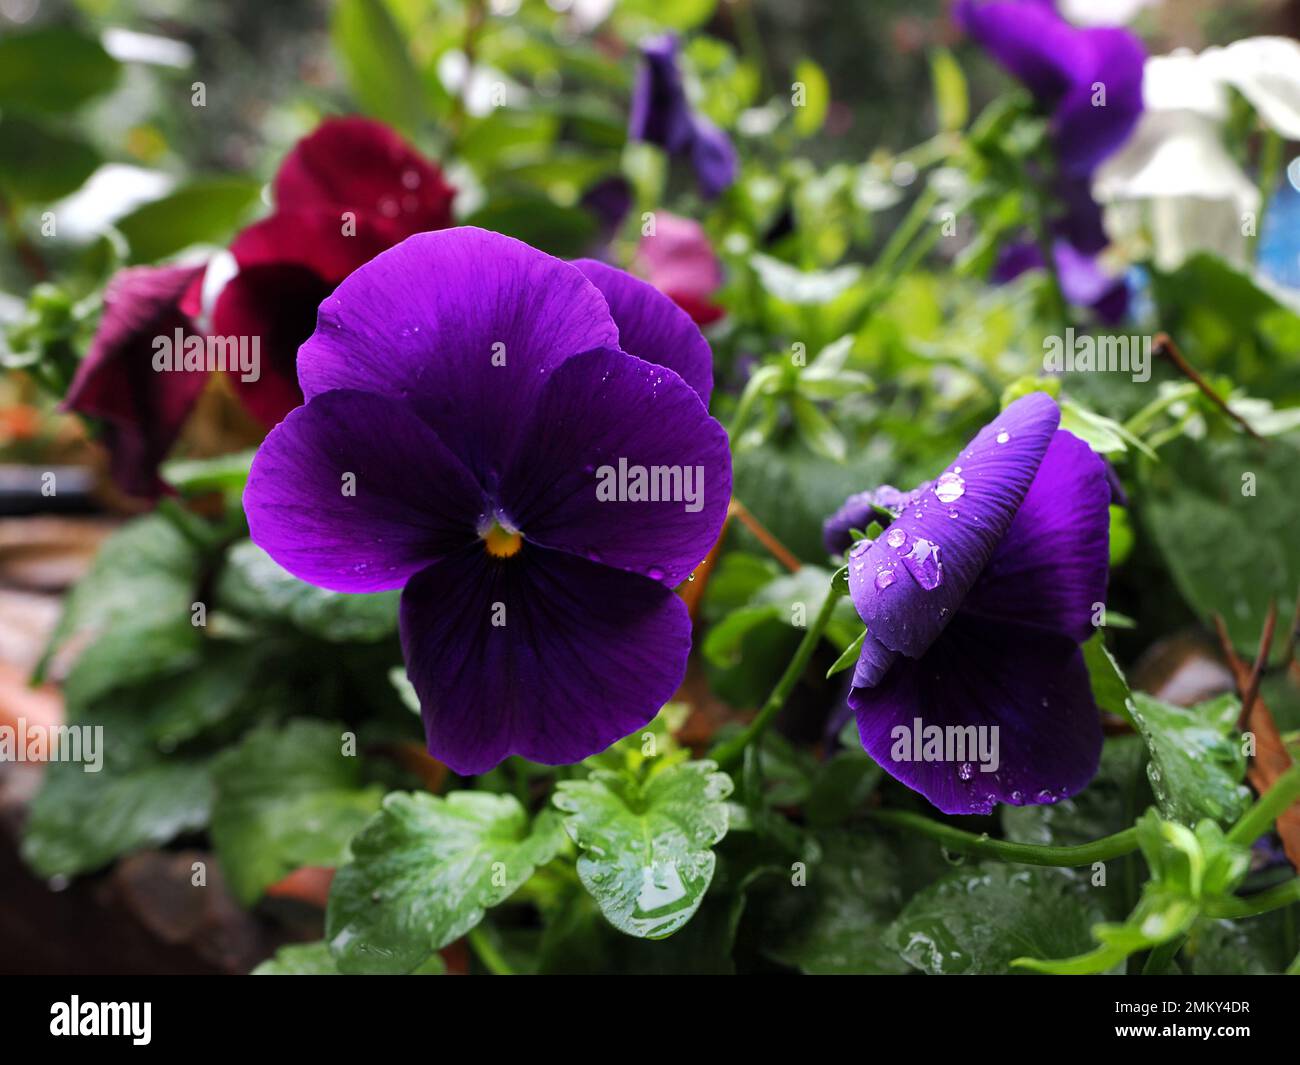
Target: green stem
{"x":1157,"y":406}
{"x":918,"y":214}
{"x":1264,"y":902}
{"x":1160,"y":957}
{"x":1260,"y":817}
{"x":728,"y":752}
{"x":487,"y":952}
{"x":982,"y":846}
{"x":1270,"y":163}
{"x":1294,"y":968}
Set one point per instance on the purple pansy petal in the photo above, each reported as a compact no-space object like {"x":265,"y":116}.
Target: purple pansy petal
{"x":1029,"y":685}
{"x":1064,"y":66}
{"x":660,"y":113}
{"x":1030,"y":41}
{"x":1080,"y":221}
{"x":873,"y":663}
{"x":600,"y":409}
{"x":586,"y":655}
{"x":1084,"y":283}
{"x":1087,"y":133}
{"x":465,"y":325}
{"x":1050,"y":569}
{"x":714,"y":158}
{"x":859,"y":511}
{"x":652,"y":327}
{"x":908,"y":584}
{"x":413,"y":502}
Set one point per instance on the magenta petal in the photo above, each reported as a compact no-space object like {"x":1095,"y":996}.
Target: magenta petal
{"x":463,"y":324}
{"x":652,"y":327}
{"x":602,"y":413}
{"x":909,"y":583}
{"x":1029,"y":685}
{"x":1050,"y":569}
{"x":542,"y":655}
{"x":413,"y":502}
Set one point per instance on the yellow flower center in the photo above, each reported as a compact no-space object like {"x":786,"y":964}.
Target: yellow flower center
{"x":502,"y":542}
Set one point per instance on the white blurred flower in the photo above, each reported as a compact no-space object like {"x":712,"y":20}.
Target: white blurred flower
{"x":1103,"y":12}
{"x":1174,"y":182}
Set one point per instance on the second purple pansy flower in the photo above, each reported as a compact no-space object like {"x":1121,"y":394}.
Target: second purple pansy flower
{"x":976,"y":598}
{"x":466,"y":396}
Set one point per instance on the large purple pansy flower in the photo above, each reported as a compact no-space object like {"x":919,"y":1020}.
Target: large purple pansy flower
{"x":976,"y":599}
{"x":662,"y":115}
{"x":466,"y":398}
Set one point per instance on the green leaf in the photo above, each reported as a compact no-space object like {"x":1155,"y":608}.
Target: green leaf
{"x":203,"y":211}
{"x":723,"y":640}
{"x":1104,"y":435}
{"x":53,"y":69}
{"x":842,"y":786}
{"x":849,"y":658}
{"x":135,"y":604}
{"x":286,"y":798}
{"x":977,"y":920}
{"x":1121,"y":535}
{"x":1234,"y":495}
{"x":423,"y":872}
{"x":828,"y":913}
{"x":1109,"y":686}
{"x":81,"y":821}
{"x":646,"y":845}
{"x":315,"y":959}
{"x":253,"y":584}
{"x":635,"y":18}
{"x":565,"y":232}
{"x":817,"y":430}
{"x":224,"y":473}
{"x":378,"y":64}
{"x":951,"y":100}
{"x":1197,"y":763}
{"x":39,"y":164}
{"x":1188,"y":868}
{"x":811,"y":113}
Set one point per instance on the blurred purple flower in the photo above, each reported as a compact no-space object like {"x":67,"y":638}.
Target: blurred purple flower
{"x":1083,"y":282}
{"x":1089,"y":80}
{"x":464,"y":393}
{"x":662,"y":115}
{"x":976,"y":599}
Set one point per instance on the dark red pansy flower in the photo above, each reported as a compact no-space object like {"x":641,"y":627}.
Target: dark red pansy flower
{"x":350,"y":190}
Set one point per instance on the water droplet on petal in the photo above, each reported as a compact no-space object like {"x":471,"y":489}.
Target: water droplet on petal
{"x":884,"y":579}
{"x":895,"y":538}
{"x":923,"y":563}
{"x":949,"y":487}
{"x":1003,"y":436}
{"x":965,"y":771}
